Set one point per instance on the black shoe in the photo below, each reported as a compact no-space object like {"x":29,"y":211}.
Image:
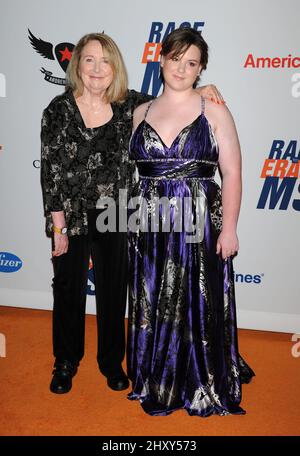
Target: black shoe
{"x":118,"y":382}
{"x":62,"y":377}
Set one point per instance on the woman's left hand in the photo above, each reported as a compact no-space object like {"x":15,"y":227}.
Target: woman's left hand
{"x":211,"y":92}
{"x":227,"y":244}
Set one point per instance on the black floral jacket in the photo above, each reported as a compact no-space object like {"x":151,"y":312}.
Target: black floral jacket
{"x":79,"y":164}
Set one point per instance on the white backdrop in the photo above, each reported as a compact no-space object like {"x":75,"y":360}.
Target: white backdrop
{"x":263,"y":96}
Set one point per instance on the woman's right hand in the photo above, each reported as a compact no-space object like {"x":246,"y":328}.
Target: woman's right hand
{"x":61,"y":244}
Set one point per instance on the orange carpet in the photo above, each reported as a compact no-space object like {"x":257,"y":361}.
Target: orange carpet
{"x":272,"y":399}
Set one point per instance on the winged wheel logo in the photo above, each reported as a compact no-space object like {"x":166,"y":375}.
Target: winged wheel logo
{"x":62,"y":52}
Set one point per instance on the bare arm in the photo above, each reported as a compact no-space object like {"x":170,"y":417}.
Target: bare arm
{"x":230,"y":166}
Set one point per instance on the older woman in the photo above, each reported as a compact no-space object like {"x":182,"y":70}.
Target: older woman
{"x":85,"y":135}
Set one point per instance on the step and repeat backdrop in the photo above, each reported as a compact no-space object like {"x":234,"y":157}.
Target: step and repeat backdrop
{"x":254,"y":60}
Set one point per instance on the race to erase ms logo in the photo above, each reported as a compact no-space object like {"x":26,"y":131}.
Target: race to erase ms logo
{"x":151,"y":54}
{"x":280,"y":172}
{"x":9,"y":262}
{"x":62,"y":52}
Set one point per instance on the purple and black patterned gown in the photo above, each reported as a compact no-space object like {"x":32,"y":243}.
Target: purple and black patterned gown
{"x":182,"y":336}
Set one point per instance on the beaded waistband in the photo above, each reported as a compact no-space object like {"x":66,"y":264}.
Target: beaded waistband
{"x":176,"y":169}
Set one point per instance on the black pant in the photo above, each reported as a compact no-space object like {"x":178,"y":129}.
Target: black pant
{"x":109,"y":255}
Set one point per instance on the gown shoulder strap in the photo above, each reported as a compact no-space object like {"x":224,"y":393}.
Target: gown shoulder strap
{"x":202,"y":105}
{"x":147,"y":109}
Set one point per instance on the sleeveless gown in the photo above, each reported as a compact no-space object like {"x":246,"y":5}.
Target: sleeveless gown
{"x":182,"y":349}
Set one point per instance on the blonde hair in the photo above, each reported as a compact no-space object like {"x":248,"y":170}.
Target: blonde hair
{"x":117,"y":91}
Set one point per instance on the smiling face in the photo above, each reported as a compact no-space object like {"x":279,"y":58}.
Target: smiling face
{"x":95,"y":69}
{"x":180,"y":72}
